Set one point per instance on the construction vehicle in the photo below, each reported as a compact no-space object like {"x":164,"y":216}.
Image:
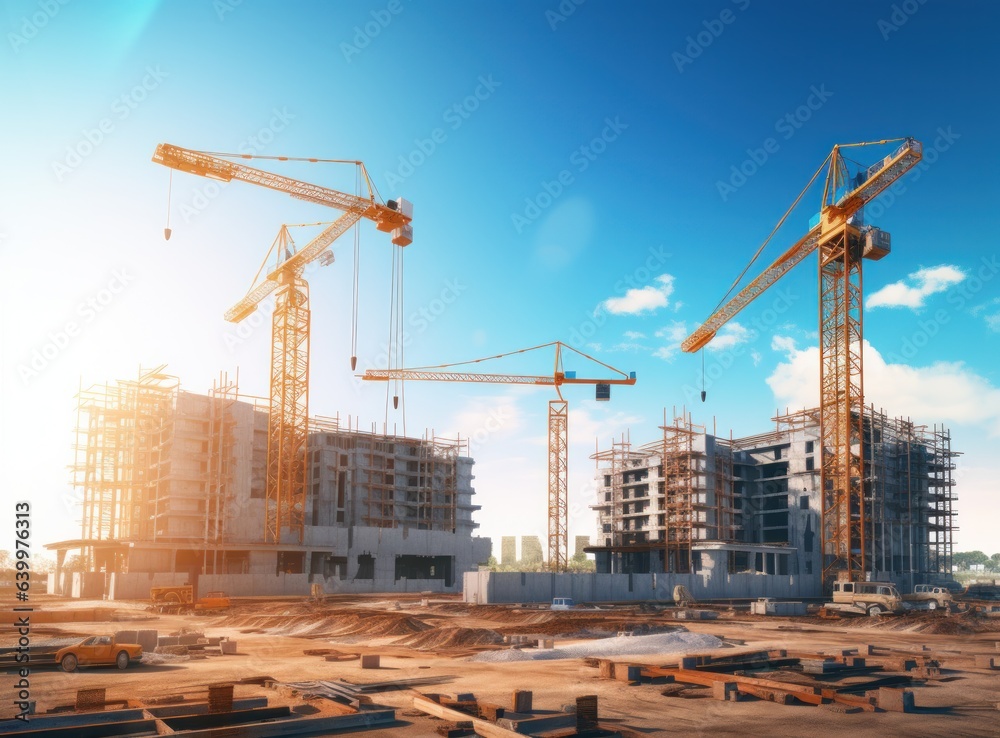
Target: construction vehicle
{"x":558,"y":448}
{"x":838,"y":233}
{"x":928,"y":597}
{"x":181,"y":598}
{"x":288,"y":424}
{"x":98,"y":651}
{"x":866,"y":598}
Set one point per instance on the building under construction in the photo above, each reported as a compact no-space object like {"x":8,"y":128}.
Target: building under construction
{"x":172,"y":490}
{"x":694,"y":503}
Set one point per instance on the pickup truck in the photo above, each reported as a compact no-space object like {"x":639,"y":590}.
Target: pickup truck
{"x":96,"y":651}
{"x":928,"y":595}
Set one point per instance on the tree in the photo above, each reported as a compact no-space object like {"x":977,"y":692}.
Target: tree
{"x":995,"y":562}
{"x":966,"y":559}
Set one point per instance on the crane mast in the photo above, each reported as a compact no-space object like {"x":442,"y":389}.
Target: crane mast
{"x":288,"y":416}
{"x":842,"y":244}
{"x":558,"y":429}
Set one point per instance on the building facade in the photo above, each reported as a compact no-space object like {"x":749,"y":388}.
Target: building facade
{"x":172,"y":490}
{"x":692,"y":502}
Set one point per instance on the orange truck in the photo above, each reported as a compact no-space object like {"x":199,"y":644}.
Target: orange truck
{"x":98,"y":651}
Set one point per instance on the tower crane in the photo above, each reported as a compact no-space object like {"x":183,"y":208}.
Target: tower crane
{"x":558,"y":447}
{"x":288,"y":422}
{"x":838,"y":233}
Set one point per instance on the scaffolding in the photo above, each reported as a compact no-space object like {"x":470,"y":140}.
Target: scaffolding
{"x":117,"y":447}
{"x":219,"y":468}
{"x":614,"y":464}
{"x":685,"y":518}
{"x":908,"y":492}
{"x":409,"y":481}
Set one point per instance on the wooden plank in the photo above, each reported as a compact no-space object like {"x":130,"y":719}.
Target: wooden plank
{"x":482,"y":727}
{"x":809,"y":694}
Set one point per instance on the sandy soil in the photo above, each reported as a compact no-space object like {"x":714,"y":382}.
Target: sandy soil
{"x":436,"y":640}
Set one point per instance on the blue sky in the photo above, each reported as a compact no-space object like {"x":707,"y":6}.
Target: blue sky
{"x":575,"y":176}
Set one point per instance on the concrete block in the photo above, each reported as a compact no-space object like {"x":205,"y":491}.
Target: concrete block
{"x":627,"y":673}
{"x":867,"y":649}
{"x":987,"y":662}
{"x":370,"y":661}
{"x":168,"y":641}
{"x":521,"y":701}
{"x":127,"y":636}
{"x":228,"y":647}
{"x":725,"y":691}
{"x":190,"y":639}
{"x":462,"y":696}
{"x":895,"y":700}
{"x":490,"y":711}
{"x":148,"y":639}
{"x":548,"y":643}
{"x":607,"y":668}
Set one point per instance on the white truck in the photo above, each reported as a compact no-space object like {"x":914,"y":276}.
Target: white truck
{"x":928,"y":596}
{"x":871,"y":598}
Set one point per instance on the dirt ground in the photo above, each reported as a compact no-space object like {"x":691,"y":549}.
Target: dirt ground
{"x":436,"y":639}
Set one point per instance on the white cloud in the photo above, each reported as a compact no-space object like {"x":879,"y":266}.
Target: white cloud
{"x":783,"y":343}
{"x":925,"y":282}
{"x":634,"y":335}
{"x":674,"y":333}
{"x":755,"y":356}
{"x":992,"y":318}
{"x":732,"y":334}
{"x":945,"y":391}
{"x":640,"y":300}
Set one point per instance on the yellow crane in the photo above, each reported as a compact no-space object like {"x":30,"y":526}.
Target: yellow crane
{"x":843,"y":241}
{"x":558,"y":447}
{"x":288,"y":424}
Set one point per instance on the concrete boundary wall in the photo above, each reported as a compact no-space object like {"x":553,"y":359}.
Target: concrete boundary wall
{"x":485,"y":587}
{"x":136,"y":586}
